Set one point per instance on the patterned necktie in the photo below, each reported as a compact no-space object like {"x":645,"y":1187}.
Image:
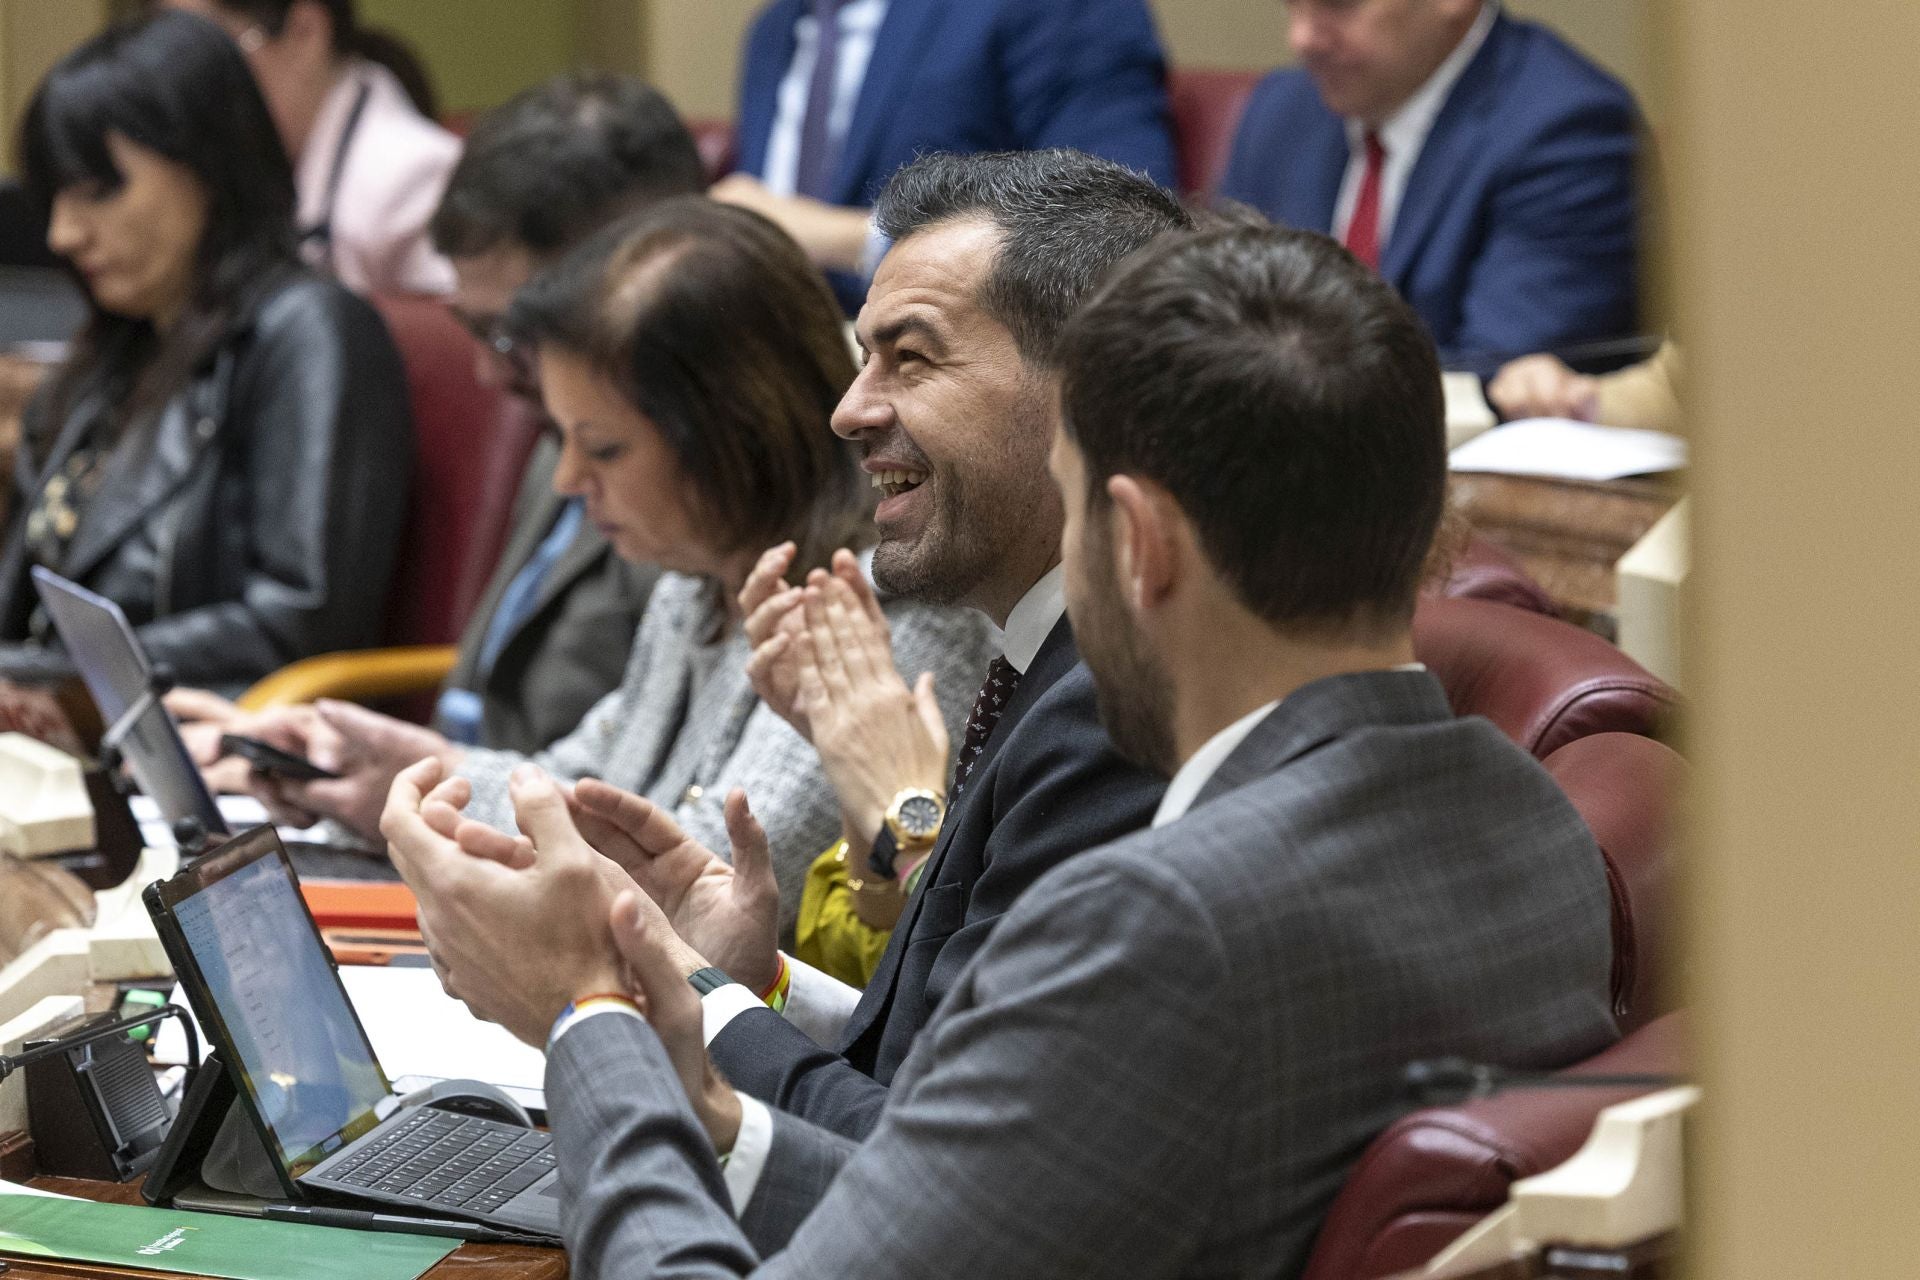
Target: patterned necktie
{"x":1363,"y":228}
{"x":813,"y":174}
{"x":1002,"y":679}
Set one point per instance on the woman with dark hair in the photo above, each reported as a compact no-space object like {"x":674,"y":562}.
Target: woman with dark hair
{"x":224,"y":452}
{"x":369,"y":163}
{"x":691,"y":358}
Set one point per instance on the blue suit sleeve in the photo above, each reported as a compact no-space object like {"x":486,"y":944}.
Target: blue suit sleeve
{"x":1090,"y":74}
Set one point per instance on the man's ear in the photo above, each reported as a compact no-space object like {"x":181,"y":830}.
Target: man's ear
{"x":1145,"y":540}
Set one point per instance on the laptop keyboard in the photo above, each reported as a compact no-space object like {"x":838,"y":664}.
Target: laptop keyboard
{"x":445,"y":1159}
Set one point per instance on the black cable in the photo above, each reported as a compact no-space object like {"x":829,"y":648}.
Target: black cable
{"x":10,"y":1063}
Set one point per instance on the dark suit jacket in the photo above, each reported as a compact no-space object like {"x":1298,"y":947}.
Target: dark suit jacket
{"x":1172,"y":1050}
{"x":257,"y":520}
{"x":986,"y":75}
{"x":1048,"y":785}
{"x":572,"y":649}
{"x":1518,"y":228}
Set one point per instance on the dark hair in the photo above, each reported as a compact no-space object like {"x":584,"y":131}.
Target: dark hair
{"x":1290,"y":403}
{"x":561,"y":160}
{"x":176,"y":85}
{"x":394,"y":52}
{"x":1065,"y":218}
{"x":712,"y":323}
{"x":272,"y":17}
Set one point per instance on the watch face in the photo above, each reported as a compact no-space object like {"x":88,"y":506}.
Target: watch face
{"x":920,"y":817}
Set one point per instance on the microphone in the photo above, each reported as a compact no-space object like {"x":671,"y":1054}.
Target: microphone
{"x":1580,"y":355}
{"x":1447,"y":1082}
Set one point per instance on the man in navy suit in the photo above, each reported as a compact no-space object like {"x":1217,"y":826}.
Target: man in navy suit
{"x":1480,"y":163}
{"x":824,"y":123}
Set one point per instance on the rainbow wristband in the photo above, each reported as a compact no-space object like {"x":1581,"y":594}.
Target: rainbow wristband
{"x":588,"y":1004}
{"x":775,"y":996}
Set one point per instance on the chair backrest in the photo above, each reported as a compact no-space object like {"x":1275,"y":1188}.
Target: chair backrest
{"x":1626,"y":787}
{"x":1484,"y":570}
{"x":1206,"y":106}
{"x":471,"y":443}
{"x":1436,"y":1172}
{"x":1544,"y":682}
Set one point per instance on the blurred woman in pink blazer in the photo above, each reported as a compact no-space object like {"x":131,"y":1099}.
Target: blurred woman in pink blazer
{"x":369,"y":167}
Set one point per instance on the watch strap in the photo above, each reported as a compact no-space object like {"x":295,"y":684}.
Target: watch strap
{"x":708,"y":980}
{"x":885,"y":854}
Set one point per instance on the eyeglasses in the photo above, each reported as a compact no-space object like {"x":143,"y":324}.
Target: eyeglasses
{"x":491,"y":332}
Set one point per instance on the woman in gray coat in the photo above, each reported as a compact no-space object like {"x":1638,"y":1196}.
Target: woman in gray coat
{"x":691,"y":359}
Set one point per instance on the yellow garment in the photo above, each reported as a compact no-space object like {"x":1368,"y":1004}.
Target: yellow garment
{"x":828,"y":935}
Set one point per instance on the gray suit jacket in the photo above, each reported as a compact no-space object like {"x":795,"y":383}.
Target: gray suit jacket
{"x":570,"y":651}
{"x":1168,"y":1056}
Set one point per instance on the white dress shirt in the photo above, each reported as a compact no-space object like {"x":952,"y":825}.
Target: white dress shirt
{"x":1404,"y":133}
{"x":817,"y":1003}
{"x":859,"y":22}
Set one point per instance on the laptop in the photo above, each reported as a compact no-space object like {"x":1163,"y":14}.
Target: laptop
{"x":115,"y":669}
{"x":265,"y":989}
{"x":102,"y":645}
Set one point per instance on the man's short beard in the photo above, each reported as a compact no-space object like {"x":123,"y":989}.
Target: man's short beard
{"x":1134,"y":694}
{"x":949,"y":559}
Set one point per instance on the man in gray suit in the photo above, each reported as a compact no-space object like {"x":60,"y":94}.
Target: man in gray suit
{"x":1171,"y":1050}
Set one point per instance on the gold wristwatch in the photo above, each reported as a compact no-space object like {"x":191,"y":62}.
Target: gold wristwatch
{"x":912,"y":823}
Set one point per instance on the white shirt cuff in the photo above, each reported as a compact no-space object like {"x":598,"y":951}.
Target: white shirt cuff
{"x":722,"y":1005}
{"x":574,"y":1017}
{"x":750,"y":1149}
{"x":819,"y":1004}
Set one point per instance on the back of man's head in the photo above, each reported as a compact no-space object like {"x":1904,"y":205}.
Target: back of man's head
{"x":1287,"y":400}
{"x":561,"y":160}
{"x":1065,"y":219}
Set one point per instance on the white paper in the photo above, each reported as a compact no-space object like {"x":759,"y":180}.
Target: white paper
{"x":239,"y":812}
{"x":1568,"y":450}
{"x":416,"y":1029}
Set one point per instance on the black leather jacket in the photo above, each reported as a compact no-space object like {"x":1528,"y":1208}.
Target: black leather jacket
{"x":263,"y":523}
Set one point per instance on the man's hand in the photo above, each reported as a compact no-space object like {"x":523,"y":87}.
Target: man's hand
{"x":875,"y":736}
{"x":1541,"y":386}
{"x":833,"y":237}
{"x":366,"y":748}
{"x":647,"y":942}
{"x":517,"y":939}
{"x":725,"y":915}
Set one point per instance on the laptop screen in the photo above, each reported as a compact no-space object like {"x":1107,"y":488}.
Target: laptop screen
{"x":265,"y":987}
{"x":103,"y":647}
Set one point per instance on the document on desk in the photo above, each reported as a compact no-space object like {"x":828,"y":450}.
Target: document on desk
{"x":418,"y":1030}
{"x":1568,"y":450}
{"x":208,"y":1244}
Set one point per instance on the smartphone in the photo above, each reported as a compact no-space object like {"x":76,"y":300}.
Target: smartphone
{"x":270,"y":759}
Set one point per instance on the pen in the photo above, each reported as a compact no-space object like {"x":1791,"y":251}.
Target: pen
{"x":367,"y":1220}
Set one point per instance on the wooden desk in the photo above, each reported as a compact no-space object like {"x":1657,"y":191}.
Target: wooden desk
{"x":469,"y":1262}
{"x":1568,"y":534}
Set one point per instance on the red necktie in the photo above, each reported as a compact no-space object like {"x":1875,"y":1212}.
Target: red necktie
{"x":1363,"y":229}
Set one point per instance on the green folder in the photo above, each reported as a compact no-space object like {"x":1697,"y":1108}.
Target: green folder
{"x":209,"y":1244}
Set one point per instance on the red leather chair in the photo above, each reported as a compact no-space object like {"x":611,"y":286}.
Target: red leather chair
{"x":471,"y":443}
{"x":1485,"y":570}
{"x":1206,"y":107}
{"x":1626,"y":787}
{"x":1436,"y":1172}
{"x":1544,"y":682}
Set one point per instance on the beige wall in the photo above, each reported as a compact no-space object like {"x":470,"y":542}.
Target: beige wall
{"x":693,"y":57}
{"x":1798,"y":276}
{"x":33,"y":35}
